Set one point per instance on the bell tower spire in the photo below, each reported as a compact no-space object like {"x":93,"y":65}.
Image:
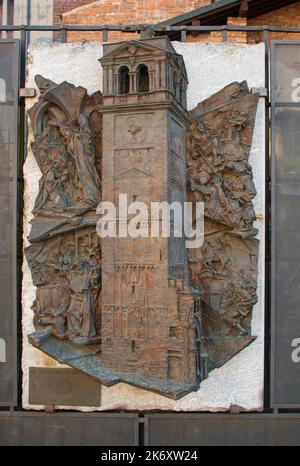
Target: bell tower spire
{"x":148,"y":325}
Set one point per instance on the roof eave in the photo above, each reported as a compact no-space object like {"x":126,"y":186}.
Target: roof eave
{"x":199,"y":12}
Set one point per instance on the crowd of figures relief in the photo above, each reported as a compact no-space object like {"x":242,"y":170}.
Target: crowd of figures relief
{"x":219,"y":175}
{"x":65,"y":254}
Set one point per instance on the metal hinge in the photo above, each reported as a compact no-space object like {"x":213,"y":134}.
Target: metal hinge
{"x":261,"y":91}
{"x":27,"y":92}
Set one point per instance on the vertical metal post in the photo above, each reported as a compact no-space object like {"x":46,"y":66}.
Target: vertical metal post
{"x":105,"y":35}
{"x":28,"y":17}
{"x":24,"y":37}
{"x":183,"y":35}
{"x":267,"y":224}
{"x":4,"y":17}
{"x":225,"y":35}
{"x":141,"y":431}
{"x":64,"y":36}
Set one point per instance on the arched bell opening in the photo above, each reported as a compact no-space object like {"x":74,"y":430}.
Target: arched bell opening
{"x":124,"y":82}
{"x":182,"y":93}
{"x":143,"y":81}
{"x":176,"y":90}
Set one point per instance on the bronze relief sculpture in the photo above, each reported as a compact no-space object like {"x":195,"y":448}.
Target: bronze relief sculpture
{"x":219,"y":174}
{"x":146,"y":312}
{"x":65,"y":251}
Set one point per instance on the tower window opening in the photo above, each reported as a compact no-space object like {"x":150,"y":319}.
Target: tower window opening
{"x":124,"y":80}
{"x":143,"y":79}
{"x":176,"y":89}
{"x":182,"y":93}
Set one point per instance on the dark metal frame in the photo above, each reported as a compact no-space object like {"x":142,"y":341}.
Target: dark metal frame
{"x":24,"y":428}
{"x":160,"y":30}
{"x":155,"y":29}
{"x":258,"y":429}
{"x":273,"y":236}
{"x":15,"y":256}
{"x":267,"y":222}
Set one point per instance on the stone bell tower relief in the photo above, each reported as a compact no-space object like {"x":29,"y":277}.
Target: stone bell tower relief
{"x":143,"y":309}
{"x":148,"y":327}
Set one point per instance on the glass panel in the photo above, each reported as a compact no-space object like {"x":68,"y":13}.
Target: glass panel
{"x":286,"y":224}
{"x":38,"y":13}
{"x":8,"y":174}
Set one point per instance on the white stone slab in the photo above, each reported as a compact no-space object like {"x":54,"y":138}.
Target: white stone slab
{"x":210,"y":67}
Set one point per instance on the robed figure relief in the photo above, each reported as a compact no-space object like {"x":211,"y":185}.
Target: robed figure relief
{"x":65,"y":254}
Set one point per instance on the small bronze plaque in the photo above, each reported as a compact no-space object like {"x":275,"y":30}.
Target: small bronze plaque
{"x":62,"y":387}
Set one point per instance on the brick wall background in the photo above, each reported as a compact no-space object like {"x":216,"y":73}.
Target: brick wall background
{"x":60,"y":7}
{"x":126,"y":12}
{"x":147,"y":11}
{"x":87,"y":12}
{"x":240,"y":37}
{"x":288,"y":16}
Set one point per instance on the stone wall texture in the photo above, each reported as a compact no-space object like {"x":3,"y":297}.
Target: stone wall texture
{"x":240,"y":381}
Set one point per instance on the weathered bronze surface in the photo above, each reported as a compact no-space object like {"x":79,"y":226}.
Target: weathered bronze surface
{"x":65,"y":254}
{"x":148,"y":310}
{"x":140,"y":310}
{"x":225,"y":268}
